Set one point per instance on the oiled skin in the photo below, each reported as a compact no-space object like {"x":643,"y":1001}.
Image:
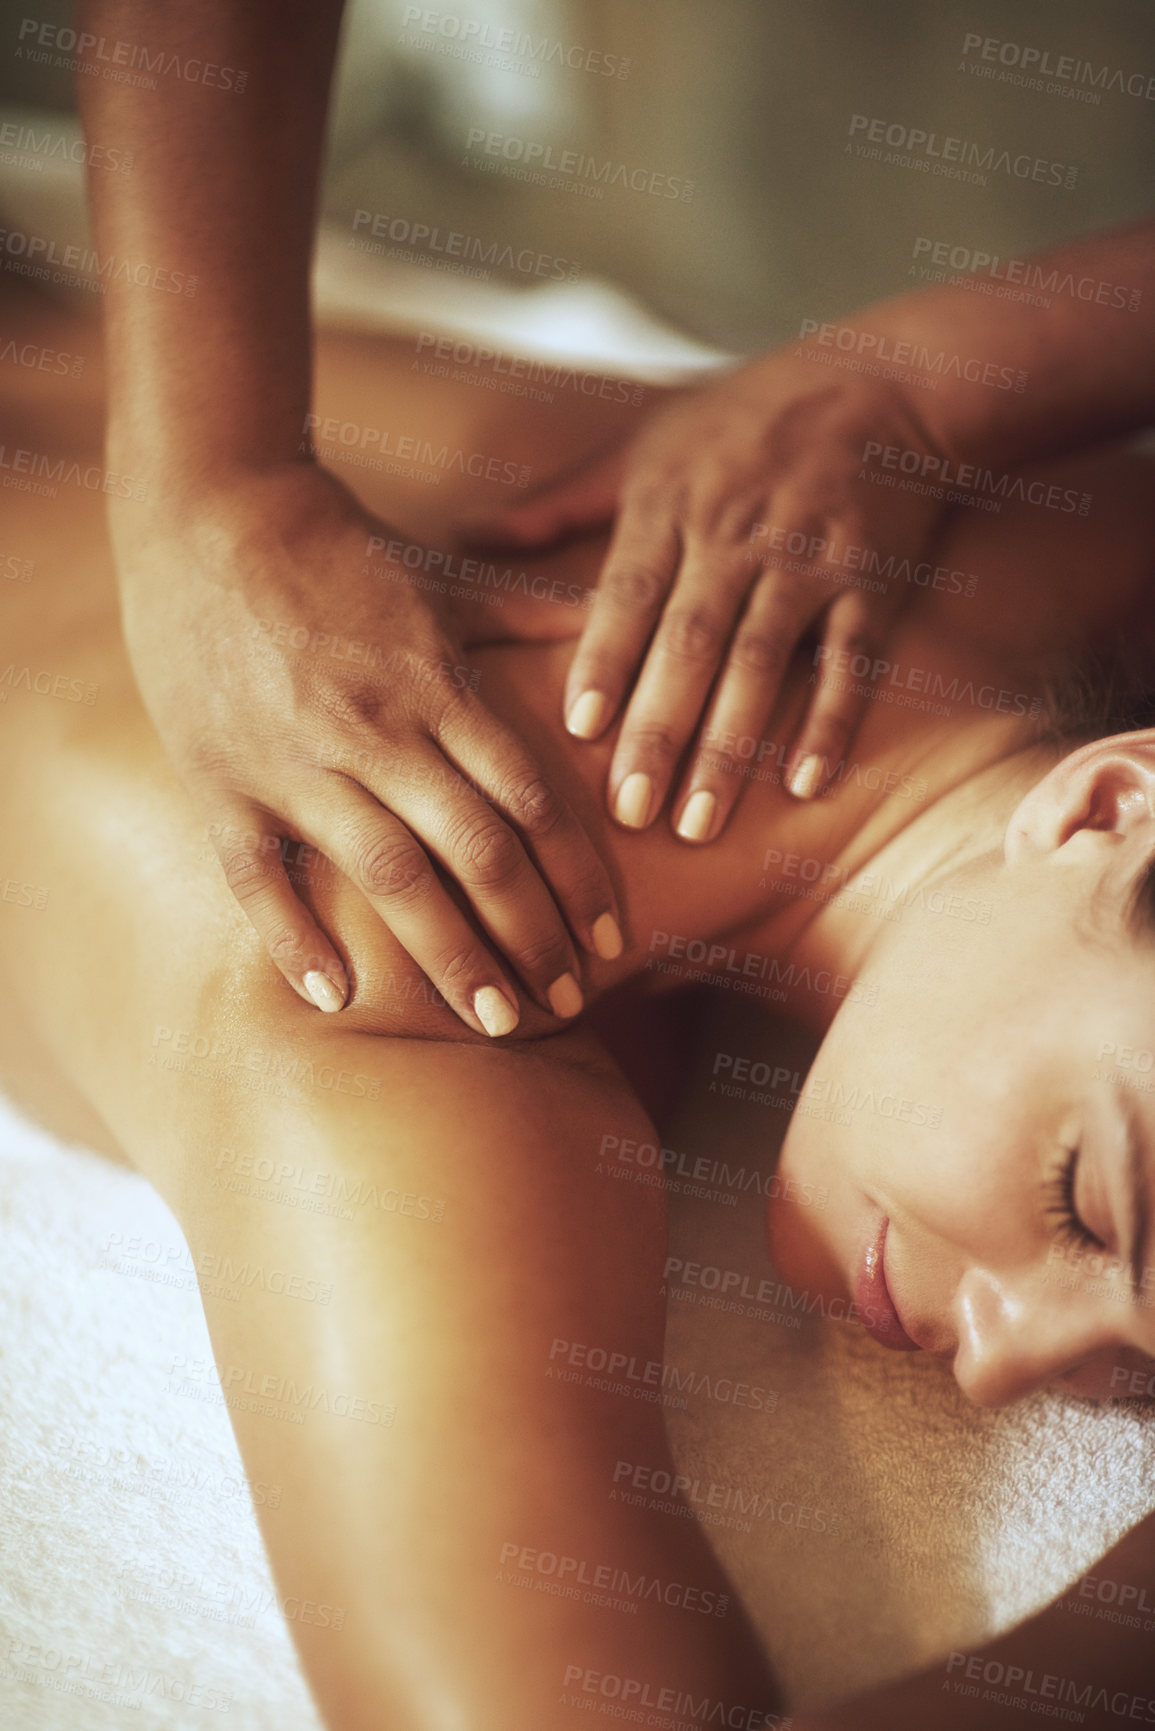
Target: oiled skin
{"x":140,"y":957}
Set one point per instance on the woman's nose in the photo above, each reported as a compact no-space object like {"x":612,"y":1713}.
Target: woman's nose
{"x":1016,"y":1334}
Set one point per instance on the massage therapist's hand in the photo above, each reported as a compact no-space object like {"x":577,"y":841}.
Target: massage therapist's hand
{"x":740,"y":519}
{"x":240,"y":606}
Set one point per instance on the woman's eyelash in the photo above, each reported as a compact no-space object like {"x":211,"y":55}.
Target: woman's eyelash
{"x":1060,"y":1204}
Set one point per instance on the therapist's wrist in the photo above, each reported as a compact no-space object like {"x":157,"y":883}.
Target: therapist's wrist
{"x":227,"y":518}
{"x":207,"y":410}
{"x":970,"y":396}
{"x":181,"y":468}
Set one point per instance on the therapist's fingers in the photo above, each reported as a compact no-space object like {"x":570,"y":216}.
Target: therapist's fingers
{"x":775,"y":618}
{"x":470,"y":838}
{"x":854,"y":630}
{"x":248,"y":845}
{"x":565,"y":870}
{"x":393,"y":871}
{"x":681,"y":665}
{"x":636,"y":577}
{"x":584,"y":499}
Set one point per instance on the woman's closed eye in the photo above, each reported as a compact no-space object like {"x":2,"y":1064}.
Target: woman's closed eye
{"x":1060,"y":1205}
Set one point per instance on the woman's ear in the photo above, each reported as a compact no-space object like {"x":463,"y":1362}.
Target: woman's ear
{"x":1107,"y":787}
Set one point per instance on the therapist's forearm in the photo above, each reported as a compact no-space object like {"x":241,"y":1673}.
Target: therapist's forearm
{"x":1087,"y":362}
{"x":223,"y":190}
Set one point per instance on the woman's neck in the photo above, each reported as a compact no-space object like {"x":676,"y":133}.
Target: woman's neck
{"x":963,"y":826}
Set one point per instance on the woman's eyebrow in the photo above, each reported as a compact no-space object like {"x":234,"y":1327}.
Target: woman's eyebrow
{"x":1137,"y":1194}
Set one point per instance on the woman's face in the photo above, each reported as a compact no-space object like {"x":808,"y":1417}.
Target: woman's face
{"x":984,"y":1131}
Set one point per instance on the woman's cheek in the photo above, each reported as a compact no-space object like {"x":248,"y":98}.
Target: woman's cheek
{"x":799,"y":1232}
{"x":1109,"y":1375}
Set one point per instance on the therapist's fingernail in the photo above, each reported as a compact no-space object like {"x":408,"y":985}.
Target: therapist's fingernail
{"x":495,"y":1012}
{"x":632,"y":806}
{"x":324,"y":993}
{"x":697,"y":816}
{"x":607,"y":936}
{"x":806,"y":777}
{"x":588,"y":715}
{"x":565,"y":997}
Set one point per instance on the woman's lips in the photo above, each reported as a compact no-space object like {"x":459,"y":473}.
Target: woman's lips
{"x":876,"y":1307}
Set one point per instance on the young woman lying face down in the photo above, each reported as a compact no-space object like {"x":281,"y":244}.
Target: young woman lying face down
{"x":1008,"y":1008}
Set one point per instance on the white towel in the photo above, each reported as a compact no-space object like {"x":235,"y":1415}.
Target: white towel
{"x":133,"y":1582}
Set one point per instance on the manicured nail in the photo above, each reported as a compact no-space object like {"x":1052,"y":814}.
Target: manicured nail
{"x":323,"y":992}
{"x":565,"y":997}
{"x":588,"y":714}
{"x":697,"y":816}
{"x":495,"y":1012}
{"x":607,"y":936}
{"x":633,"y":802}
{"x":806,"y":778}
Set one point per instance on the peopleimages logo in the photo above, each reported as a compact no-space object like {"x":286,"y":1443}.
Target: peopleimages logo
{"x":44,"y":473}
{"x":942,"y":362}
{"x":530,"y":158}
{"x":118,"y":61}
{"x":941,"y":472}
{"x":27,"y":142}
{"x":625,"y":1374}
{"x":606,"y":1577}
{"x":93,"y":1677}
{"x":1046,"y":1685}
{"x":716,"y":961}
{"x":40,"y":359}
{"x":1040,"y":63}
{"x":956,"y":158}
{"x":231,"y":1381}
{"x":454,"y":243}
{"x":976,"y":262}
{"x":82,"y":267}
{"x":479,"y":40}
{"x":635,"y":1692}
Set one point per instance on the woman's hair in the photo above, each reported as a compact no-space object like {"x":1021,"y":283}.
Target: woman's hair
{"x":1109,"y":693}
{"x":1141,"y":907}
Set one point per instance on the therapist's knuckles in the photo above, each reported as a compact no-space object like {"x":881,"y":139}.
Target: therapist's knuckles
{"x":388,"y":866}
{"x":632,"y":587}
{"x":389,"y":993}
{"x":692,"y":635}
{"x":723,"y":513}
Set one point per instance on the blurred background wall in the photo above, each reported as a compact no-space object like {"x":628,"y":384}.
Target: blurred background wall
{"x":746,"y":107}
